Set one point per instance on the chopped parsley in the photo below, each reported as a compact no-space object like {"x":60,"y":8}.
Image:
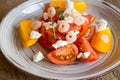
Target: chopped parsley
{"x":61,"y":16}
{"x":57,"y":9}
{"x":52,"y":24}
{"x":53,"y":29}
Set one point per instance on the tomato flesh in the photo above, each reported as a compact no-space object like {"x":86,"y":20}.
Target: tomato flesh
{"x":45,"y":44}
{"x":90,"y":33}
{"x":74,"y":27}
{"x":85,"y":46}
{"x":64,"y":55}
{"x":84,"y":29}
{"x":90,"y":18}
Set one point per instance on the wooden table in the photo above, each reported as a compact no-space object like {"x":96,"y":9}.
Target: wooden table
{"x":9,"y":72}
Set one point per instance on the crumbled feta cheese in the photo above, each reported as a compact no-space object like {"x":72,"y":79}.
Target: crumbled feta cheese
{"x":86,"y":55}
{"x":70,"y":5}
{"x":77,"y":32}
{"x":45,"y":16}
{"x":102,"y":24}
{"x":38,"y":57}
{"x":68,"y":19}
{"x":49,"y":25}
{"x":59,"y":43}
{"x":35,"y":34}
{"x":79,"y":55}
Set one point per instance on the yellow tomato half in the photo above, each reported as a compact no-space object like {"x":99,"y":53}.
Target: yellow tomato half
{"x":24,"y":32}
{"x":102,"y":41}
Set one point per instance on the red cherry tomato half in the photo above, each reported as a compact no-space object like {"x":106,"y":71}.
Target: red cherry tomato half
{"x":64,"y":55}
{"x":85,"y":46}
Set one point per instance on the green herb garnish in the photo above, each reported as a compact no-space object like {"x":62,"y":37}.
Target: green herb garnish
{"x":61,"y":16}
{"x":57,"y":9}
{"x":53,"y":29}
{"x":54,"y":34}
{"x":51,"y":19}
{"x":52,"y":24}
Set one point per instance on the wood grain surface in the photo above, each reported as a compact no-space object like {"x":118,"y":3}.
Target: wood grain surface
{"x":9,"y":72}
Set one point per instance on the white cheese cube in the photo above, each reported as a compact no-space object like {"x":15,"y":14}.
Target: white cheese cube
{"x":68,"y":19}
{"x":38,"y":57}
{"x":102,"y":25}
{"x":77,"y":32}
{"x":59,"y":43}
{"x":49,"y":25}
{"x":79,"y":55}
{"x":35,"y":34}
{"x":86,"y":55}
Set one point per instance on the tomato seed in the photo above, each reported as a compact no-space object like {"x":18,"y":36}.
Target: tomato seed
{"x":62,"y":58}
{"x":67,"y":57}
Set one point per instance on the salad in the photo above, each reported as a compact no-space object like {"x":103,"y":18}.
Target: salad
{"x":67,"y":32}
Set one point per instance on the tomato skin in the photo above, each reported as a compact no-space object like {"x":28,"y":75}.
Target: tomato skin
{"x":93,"y":18}
{"x":49,"y":35}
{"x":56,"y":17}
{"x":84,"y":29}
{"x":90,"y":18}
{"x":74,"y":27}
{"x":91,"y":32}
{"x":45,"y":44}
{"x":68,"y":50}
{"x":42,"y":31}
{"x":85,"y":46}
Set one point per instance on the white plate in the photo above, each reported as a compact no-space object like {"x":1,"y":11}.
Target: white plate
{"x":22,"y":58}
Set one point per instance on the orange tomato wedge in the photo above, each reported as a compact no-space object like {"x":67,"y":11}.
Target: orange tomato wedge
{"x":24,"y":32}
{"x":102,"y":41}
{"x":78,"y":5}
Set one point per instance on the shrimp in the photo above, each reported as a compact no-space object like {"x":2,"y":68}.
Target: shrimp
{"x":45,"y":16}
{"x":79,"y":20}
{"x":36,"y":24}
{"x":63,"y":26}
{"x":71,"y":36}
{"x":51,"y":12}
